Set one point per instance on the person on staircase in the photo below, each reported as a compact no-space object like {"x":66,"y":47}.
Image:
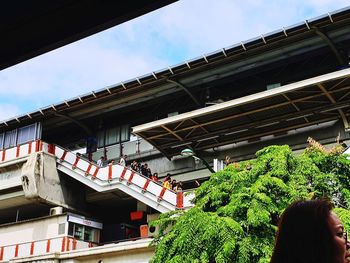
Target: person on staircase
{"x":122,"y":160}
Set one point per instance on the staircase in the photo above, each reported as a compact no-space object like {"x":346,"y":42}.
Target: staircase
{"x":102,"y":179}
{"x":116,"y":176}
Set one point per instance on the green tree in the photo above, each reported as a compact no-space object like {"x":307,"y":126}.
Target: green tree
{"x":236,"y":212}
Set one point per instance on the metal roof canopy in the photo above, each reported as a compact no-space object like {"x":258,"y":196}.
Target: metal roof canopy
{"x":273,"y":112}
{"x":31,"y":28}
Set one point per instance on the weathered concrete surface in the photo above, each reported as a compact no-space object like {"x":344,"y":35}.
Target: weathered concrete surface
{"x":41,"y":181}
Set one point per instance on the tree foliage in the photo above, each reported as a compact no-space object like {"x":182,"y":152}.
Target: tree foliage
{"x":236,"y":211}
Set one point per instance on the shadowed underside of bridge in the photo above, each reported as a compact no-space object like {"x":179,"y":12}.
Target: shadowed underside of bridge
{"x":31,"y":28}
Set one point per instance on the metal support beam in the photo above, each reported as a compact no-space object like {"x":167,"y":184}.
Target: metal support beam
{"x":294,"y":105}
{"x":330,"y":43}
{"x":186,"y":90}
{"x":172,"y":132}
{"x":341,"y":113}
{"x":80,"y":124}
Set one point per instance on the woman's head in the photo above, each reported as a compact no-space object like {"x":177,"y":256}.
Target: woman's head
{"x":340,"y":237}
{"x":310,"y":232}
{"x":167,"y":177}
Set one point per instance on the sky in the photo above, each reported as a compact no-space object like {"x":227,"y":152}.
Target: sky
{"x":171,"y":35}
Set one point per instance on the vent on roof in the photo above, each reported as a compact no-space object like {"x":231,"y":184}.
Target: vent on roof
{"x":273,"y":86}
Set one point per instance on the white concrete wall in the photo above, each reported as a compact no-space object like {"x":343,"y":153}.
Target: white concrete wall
{"x":31,"y":231}
{"x":10,"y":176}
{"x":137,"y":251}
{"x":134,"y":256}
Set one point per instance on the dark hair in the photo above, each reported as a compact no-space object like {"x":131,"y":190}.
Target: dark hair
{"x":304,"y":234}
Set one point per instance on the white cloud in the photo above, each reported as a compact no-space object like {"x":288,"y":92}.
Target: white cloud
{"x":327,"y":5}
{"x":8,"y":111}
{"x":205,"y":25}
{"x":82,"y":68}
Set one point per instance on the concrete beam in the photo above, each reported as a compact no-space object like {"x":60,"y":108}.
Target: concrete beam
{"x":41,"y":181}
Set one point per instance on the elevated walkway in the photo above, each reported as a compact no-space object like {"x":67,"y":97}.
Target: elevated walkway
{"x":101,"y":179}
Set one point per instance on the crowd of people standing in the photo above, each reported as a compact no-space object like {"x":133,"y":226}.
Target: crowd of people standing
{"x":144,"y":170}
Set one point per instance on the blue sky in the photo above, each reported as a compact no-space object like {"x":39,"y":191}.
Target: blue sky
{"x":181,"y":31}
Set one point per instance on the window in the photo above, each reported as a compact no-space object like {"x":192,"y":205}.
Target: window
{"x":19,"y":136}
{"x":124,"y":133}
{"x":2,"y":139}
{"x":82,"y":232}
{"x":26,"y":134}
{"x":100,"y":138}
{"x":113,"y":135}
{"x":10,"y":139}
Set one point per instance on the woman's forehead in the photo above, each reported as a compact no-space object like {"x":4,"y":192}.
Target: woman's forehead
{"x":334,"y":220}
